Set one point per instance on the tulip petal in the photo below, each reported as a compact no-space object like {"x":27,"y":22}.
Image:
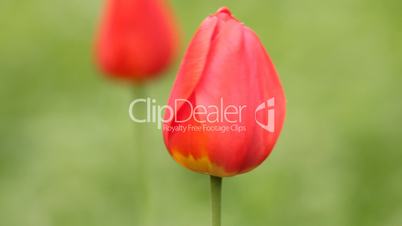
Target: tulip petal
{"x":192,"y":68}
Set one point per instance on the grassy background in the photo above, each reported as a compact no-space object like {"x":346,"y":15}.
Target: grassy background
{"x":67,"y":148}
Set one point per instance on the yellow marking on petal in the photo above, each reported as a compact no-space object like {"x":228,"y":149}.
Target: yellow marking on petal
{"x":200,"y":165}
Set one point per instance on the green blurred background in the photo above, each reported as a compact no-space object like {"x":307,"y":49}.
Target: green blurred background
{"x":67,"y":145}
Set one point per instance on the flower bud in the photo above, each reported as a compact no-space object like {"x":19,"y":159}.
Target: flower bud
{"x":237,"y":102}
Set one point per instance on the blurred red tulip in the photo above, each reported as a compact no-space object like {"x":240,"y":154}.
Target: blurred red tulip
{"x":228,"y":105}
{"x":137,"y":39}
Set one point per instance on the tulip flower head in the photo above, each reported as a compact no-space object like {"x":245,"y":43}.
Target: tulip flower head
{"x":137,"y":39}
{"x":228,"y":103}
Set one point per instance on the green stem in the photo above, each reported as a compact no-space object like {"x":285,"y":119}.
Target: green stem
{"x":216,"y":196}
{"x":141,"y":158}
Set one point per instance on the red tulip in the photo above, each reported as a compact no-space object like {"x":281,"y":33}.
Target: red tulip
{"x":137,"y":39}
{"x":227,"y":103}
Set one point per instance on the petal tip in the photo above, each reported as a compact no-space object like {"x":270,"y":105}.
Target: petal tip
{"x":225,"y":10}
